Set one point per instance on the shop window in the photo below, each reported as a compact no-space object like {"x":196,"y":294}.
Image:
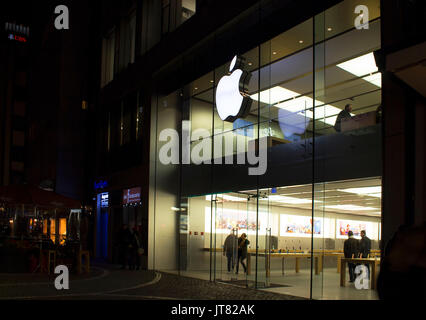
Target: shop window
{"x":62,"y":230}
{"x":53,"y":230}
{"x":44,"y":226}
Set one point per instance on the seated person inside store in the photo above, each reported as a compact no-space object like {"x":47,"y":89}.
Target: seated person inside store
{"x":350,"y":250}
{"x":346,"y":113}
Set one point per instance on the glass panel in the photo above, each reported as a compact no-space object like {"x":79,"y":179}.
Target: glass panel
{"x":347,"y":150}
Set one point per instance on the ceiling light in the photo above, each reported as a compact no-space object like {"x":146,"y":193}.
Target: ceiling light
{"x":288,"y":200}
{"x":250,"y":63}
{"x":350,"y":207}
{"x":363,"y":66}
{"x":274,"y":52}
{"x":274,"y":95}
{"x":226,"y":197}
{"x":329,"y":29}
{"x":368,"y":191}
{"x":300,"y":41}
{"x":375,"y":79}
{"x":298,"y":104}
{"x":195,"y":88}
{"x":326,"y":113}
{"x":211,"y":81}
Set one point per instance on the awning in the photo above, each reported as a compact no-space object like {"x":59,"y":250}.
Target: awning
{"x":33,"y":196}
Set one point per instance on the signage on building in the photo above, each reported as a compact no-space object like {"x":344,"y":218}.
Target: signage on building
{"x":100,"y":184}
{"x":232,"y":99}
{"x":104,"y":199}
{"x":132,"y":195}
{"x":15,"y":37}
{"x":17,"y":32}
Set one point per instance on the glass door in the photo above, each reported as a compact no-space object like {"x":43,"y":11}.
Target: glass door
{"x":261,"y":242}
{"x":229,"y":222}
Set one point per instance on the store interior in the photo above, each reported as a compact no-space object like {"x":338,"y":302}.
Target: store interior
{"x":285,"y":221}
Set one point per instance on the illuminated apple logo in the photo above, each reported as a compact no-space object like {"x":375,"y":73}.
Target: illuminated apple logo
{"x":232,"y":99}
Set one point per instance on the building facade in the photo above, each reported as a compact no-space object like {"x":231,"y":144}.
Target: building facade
{"x":282,"y":173}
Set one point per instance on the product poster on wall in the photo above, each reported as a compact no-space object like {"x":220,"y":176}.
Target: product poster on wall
{"x":228,"y":219}
{"x":344,"y":226}
{"x":300,"y":226}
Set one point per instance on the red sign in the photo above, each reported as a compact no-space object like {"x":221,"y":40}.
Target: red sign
{"x":17,"y":38}
{"x":131,"y":195}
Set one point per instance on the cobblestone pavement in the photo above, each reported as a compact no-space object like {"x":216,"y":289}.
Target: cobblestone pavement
{"x":107,"y":282}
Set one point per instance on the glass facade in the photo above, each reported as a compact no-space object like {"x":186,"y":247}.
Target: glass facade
{"x":315,"y":95}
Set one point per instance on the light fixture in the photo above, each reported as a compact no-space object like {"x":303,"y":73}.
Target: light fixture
{"x":211,"y":81}
{"x":195,"y":88}
{"x":325,"y":113}
{"x":329,"y":29}
{"x":288,"y":200}
{"x":350,"y":207}
{"x":274,"y":95}
{"x":298,"y":104}
{"x":300,"y":41}
{"x":365,"y":67}
{"x":367,"y":191}
{"x":274,"y":52}
{"x":250,"y":63}
{"x":226,"y":197}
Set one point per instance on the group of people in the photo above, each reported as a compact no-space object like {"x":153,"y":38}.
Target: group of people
{"x":353,"y":248}
{"x":233,"y":245}
{"x":130,"y":246}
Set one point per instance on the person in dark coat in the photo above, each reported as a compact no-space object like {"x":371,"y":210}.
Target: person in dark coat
{"x":243,"y":243}
{"x":346,"y":113}
{"x":365,"y":249}
{"x":230,"y":250}
{"x":364,"y":245}
{"x":350,"y":250}
{"x":137,"y":249}
{"x":125,"y":244}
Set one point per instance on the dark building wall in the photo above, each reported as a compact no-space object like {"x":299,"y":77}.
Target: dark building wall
{"x":60,"y":82}
{"x":14,"y":72}
{"x":404,"y":162}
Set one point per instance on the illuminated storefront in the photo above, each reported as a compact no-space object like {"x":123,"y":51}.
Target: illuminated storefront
{"x":321,"y":180}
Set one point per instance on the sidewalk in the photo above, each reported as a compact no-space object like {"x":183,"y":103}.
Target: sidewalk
{"x":109,"y":282}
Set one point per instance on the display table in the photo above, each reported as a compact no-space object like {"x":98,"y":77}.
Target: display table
{"x":318,"y":262}
{"x":372,"y":262}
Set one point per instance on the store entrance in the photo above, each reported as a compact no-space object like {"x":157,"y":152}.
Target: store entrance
{"x":241,"y":240}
